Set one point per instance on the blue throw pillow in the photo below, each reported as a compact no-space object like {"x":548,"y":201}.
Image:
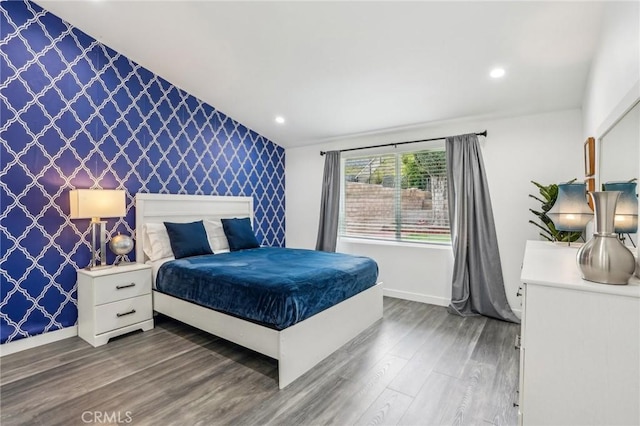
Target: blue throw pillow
{"x":188,"y":239}
{"x":239,"y":234}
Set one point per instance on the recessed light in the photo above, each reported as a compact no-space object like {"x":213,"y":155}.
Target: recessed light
{"x":280,"y":119}
{"x":497,"y":72}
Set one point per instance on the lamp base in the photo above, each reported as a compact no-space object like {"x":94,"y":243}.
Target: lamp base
{"x":98,"y":267}
{"x":98,"y":244}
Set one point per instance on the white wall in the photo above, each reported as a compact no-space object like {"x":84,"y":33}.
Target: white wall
{"x":614,"y":78}
{"x":517,"y":150}
{"x":615,"y":68}
{"x":620,"y":149}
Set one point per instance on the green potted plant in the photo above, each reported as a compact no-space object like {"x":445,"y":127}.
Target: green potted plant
{"x":547,"y":198}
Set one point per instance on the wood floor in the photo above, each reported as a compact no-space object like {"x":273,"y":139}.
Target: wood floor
{"x":417,"y":366}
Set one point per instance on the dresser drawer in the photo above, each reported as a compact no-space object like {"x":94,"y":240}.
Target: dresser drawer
{"x":110,"y":288}
{"x":119,"y":314}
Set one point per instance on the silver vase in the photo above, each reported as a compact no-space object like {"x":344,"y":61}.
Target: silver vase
{"x":604,"y":259}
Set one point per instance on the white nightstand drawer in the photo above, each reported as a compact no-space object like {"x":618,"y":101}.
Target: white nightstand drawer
{"x":110,"y":288}
{"x":122,"y":313}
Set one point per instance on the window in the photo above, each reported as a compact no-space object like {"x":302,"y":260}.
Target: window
{"x":400,"y":197}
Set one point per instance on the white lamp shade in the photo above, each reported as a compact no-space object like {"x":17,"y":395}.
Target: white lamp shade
{"x":570,"y":212}
{"x":626,"y":223}
{"x":626,"y":219}
{"x":97,"y":203}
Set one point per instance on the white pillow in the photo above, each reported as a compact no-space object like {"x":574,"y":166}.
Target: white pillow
{"x":215,"y":235}
{"x":156,"y":241}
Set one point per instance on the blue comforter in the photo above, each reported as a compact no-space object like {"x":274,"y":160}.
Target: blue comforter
{"x":276,"y":287}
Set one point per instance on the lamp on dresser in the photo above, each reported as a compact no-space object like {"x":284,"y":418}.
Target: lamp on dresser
{"x":95,"y":204}
{"x":570,"y":212}
{"x":626,"y":217}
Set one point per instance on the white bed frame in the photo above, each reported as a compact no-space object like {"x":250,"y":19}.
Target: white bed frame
{"x":297,"y":348}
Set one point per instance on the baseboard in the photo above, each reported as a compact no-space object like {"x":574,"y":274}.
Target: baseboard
{"x":39,"y":340}
{"x":431,"y":300}
{"x":416,"y":297}
{"x":518,"y":312}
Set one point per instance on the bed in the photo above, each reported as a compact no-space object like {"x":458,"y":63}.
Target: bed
{"x":297,"y":347}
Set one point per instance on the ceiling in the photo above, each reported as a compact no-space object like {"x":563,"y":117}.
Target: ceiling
{"x":341,"y":68}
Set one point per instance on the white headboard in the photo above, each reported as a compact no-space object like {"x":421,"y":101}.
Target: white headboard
{"x":185,"y":208}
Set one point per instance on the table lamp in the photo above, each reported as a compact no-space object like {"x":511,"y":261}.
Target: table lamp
{"x":626,"y":216}
{"x":570,"y":212}
{"x":95,"y":204}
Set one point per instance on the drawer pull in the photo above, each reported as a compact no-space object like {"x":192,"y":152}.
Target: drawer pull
{"x":517,"y":342}
{"x":120,"y":287}
{"x":133,"y":311}
{"x":519,"y":293}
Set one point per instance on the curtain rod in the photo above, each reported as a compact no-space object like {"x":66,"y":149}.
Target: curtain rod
{"x":398,"y":143}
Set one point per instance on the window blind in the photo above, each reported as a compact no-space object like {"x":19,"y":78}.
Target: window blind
{"x":399,"y":196}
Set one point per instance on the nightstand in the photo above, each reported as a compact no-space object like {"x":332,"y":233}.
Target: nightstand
{"x":114,"y":301}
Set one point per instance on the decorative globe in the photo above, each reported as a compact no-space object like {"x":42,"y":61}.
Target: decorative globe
{"x":121,"y":244}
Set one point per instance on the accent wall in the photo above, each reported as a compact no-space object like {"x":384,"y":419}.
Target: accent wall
{"x":76,"y":114}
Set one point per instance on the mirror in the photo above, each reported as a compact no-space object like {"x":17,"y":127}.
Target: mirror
{"x":620,"y":149}
{"x":620,"y":152}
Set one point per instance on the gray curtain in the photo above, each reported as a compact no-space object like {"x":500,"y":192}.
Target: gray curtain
{"x":330,"y":203}
{"x":477,"y":285}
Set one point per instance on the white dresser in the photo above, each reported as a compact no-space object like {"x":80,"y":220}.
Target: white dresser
{"x":580,"y":344}
{"x":114,"y":301}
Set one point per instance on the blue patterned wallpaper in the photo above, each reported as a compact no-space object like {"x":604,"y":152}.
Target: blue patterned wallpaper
{"x":76,"y":114}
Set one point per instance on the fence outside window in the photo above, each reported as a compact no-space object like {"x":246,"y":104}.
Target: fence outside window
{"x":397,"y":196}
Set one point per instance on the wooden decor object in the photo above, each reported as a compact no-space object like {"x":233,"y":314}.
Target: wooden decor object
{"x":590,"y":157}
